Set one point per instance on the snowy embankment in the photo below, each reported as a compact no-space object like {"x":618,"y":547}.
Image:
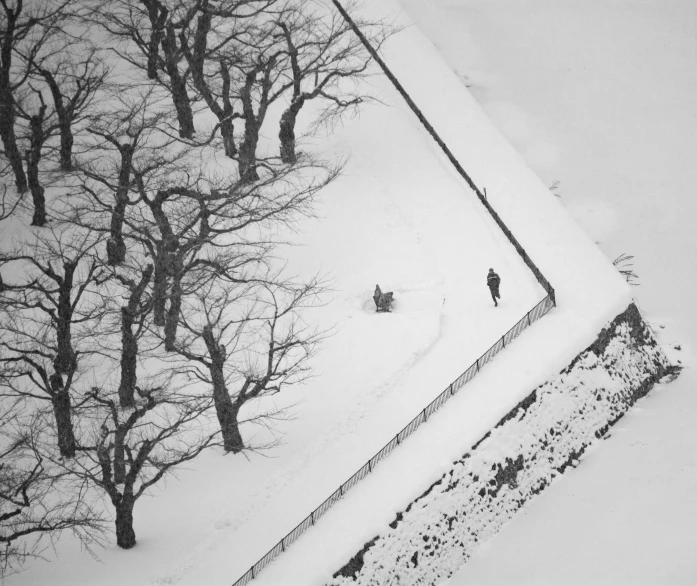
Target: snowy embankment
{"x":547,"y":432}
{"x":401,"y":217}
{"x":600,"y":96}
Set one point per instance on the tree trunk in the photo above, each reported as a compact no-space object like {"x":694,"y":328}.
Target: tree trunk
{"x":119,"y":455}
{"x":158,"y":16}
{"x":247,"y":161}
{"x":287,"y":133}
{"x":129,"y":342}
{"x":7,"y":101}
{"x":175,"y":304}
{"x":60,"y":399}
{"x":164,"y":253}
{"x":225,"y":409}
{"x":37,"y":191}
{"x":66,"y":148}
{"x":227,"y":131}
{"x":182,"y":105}
{"x":116,"y":247}
{"x":232,"y":438}
{"x":9,"y":140}
{"x":65,"y":360}
{"x":226,"y":412}
{"x":248,"y":152}
{"x":64,"y":121}
{"x":125,"y":535}
{"x":159,"y":292}
{"x":180,"y":97}
{"x":33,"y":157}
{"x":129,"y":359}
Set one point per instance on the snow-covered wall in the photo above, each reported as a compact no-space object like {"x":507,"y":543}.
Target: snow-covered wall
{"x":538,"y":439}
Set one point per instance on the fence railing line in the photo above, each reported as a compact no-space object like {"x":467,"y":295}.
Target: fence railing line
{"x":528,"y":319}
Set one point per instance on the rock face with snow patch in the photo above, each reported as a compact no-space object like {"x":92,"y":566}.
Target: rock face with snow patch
{"x":543,"y":435}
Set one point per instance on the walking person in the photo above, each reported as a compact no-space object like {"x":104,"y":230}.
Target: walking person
{"x":493,"y":281}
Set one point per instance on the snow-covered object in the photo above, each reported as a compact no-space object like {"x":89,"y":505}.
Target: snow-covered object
{"x":548,"y":431}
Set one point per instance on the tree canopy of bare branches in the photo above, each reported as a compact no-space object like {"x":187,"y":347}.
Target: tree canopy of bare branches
{"x":146,"y":313}
{"x":38,"y":501}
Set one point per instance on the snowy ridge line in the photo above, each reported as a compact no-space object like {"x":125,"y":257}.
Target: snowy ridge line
{"x":541,"y":309}
{"x":547,"y":286}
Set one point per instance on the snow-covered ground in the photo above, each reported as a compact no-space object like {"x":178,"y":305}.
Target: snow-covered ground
{"x":400,"y":217}
{"x":600,"y":96}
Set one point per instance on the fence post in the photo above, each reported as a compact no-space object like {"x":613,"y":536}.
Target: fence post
{"x":528,"y":319}
{"x":425,"y":418}
{"x":370,"y":465}
{"x":503,"y":340}
{"x":283,"y":545}
{"x":397,"y":436}
{"x":477,"y":364}
{"x":253,"y":576}
{"x":451,"y":389}
{"x":312,"y":517}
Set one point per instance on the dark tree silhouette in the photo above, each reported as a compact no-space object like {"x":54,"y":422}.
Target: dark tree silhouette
{"x":127,"y":145}
{"x":38,"y":501}
{"x":38,"y":134}
{"x":125,"y":452}
{"x":73,"y":75}
{"x":250,"y":344}
{"x":25,"y":30}
{"x":147,"y":38}
{"x":326,"y":63}
{"x":46,"y":316}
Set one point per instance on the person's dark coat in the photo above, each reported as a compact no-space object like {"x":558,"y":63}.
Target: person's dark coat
{"x":493,"y":281}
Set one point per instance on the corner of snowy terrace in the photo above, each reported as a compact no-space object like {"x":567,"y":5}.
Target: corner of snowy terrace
{"x":402,"y":217}
{"x":589,"y":293}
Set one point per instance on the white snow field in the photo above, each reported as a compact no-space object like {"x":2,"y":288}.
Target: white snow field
{"x":600,"y":96}
{"x":401,"y":217}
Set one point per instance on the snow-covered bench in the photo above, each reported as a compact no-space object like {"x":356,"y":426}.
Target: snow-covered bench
{"x":383,"y":301}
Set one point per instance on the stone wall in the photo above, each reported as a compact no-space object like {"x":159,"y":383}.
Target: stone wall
{"x":517,"y":459}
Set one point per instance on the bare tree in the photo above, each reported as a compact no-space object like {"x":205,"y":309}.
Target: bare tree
{"x":326,"y":62}
{"x":149,"y":29}
{"x":37,"y":500}
{"x":74,"y":74}
{"x":194,"y":233}
{"x":245,"y":56}
{"x":39,"y":131}
{"x":251,"y":73}
{"x":133,"y":326}
{"x":47,"y":314}
{"x":221,"y":29}
{"x":128,"y":147}
{"x":125,"y":452}
{"x":24,"y":30}
{"x":39,"y":56}
{"x":248,"y":343}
